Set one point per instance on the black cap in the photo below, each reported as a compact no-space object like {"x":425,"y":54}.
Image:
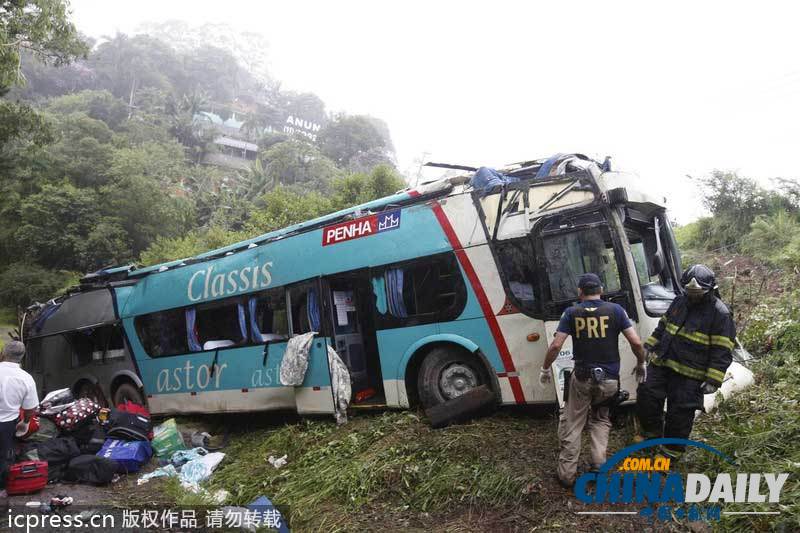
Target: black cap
{"x":589,"y":281}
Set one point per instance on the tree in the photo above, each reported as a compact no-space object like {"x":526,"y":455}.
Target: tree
{"x":40,"y":27}
{"x":348,"y":137}
{"x":298,"y":164}
{"x":360,"y":188}
{"x":283,"y":207}
{"x":22,"y":283}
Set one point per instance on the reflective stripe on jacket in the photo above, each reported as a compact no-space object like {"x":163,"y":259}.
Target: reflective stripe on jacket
{"x":695,"y":341}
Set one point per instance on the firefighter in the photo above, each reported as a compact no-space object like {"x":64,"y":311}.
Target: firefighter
{"x":595,"y":326}
{"x":690,"y":352}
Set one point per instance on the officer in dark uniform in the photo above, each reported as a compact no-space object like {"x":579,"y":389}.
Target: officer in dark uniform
{"x":595,"y":326}
{"x":692,"y":348}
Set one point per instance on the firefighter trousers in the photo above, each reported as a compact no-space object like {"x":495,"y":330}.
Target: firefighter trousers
{"x":581,"y":410}
{"x":683,"y":397}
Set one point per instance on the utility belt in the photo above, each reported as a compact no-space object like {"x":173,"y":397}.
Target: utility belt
{"x":598,"y":375}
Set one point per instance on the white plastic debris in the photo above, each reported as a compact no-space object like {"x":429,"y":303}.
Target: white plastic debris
{"x":164,"y":471}
{"x":277,"y":462}
{"x":198,"y":470}
{"x":737,"y":378}
{"x":295,"y":359}
{"x":340,"y":384}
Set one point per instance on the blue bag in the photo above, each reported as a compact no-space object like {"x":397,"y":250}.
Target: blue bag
{"x":129,"y":454}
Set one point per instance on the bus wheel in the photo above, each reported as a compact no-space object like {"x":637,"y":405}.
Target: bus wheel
{"x":87,"y":390}
{"x":126,"y":392}
{"x":447,"y":373}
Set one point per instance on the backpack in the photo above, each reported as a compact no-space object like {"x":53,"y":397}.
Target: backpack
{"x":92,"y":438}
{"x":91,"y":469}
{"x":129,"y":426}
{"x":58,"y":450}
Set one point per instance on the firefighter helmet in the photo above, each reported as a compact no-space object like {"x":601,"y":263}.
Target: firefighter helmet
{"x":699,"y":277}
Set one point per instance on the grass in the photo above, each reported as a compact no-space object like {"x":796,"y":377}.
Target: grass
{"x":387,"y":463}
{"x":760,"y":428}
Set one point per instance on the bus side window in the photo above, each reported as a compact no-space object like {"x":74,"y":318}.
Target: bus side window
{"x":305,"y":309}
{"x":518,"y":263}
{"x":163,"y":333}
{"x":427,"y":290}
{"x":268,"y":319}
{"x":221,"y":324}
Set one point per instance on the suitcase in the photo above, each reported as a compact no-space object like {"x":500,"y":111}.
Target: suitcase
{"x":130,"y":455}
{"x":79,"y":413}
{"x":129,"y":426}
{"x":26,"y":477}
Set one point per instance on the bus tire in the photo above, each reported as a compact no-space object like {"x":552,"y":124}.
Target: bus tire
{"x":447,"y":373}
{"x":128,"y":391}
{"x":93,"y":392}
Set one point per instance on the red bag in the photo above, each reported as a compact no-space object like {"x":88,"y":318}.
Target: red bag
{"x":33,"y":426}
{"x":26,"y":477}
{"x":133,"y":408}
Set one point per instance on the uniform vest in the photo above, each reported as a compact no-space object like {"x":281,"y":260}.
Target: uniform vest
{"x":595,"y":334}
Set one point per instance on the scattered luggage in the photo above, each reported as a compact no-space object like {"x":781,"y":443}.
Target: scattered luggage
{"x":26,"y":477}
{"x":47,"y":430}
{"x":58,"y":450}
{"x":129,"y":426}
{"x":56,"y":398}
{"x":77,"y":414}
{"x":129,"y":455}
{"x":91,"y":438}
{"x":167,"y":439}
{"x":135,"y":408}
{"x":91,"y":469}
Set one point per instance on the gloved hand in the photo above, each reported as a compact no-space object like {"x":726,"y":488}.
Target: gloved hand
{"x":708,"y":388}
{"x":545,"y":376}
{"x":641,"y":372}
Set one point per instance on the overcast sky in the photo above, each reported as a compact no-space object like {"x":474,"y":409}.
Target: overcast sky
{"x":667,"y":91}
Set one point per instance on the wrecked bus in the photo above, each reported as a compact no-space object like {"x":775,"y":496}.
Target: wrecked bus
{"x":424,"y":295}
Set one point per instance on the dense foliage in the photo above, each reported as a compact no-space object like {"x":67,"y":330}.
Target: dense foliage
{"x":102,"y":152}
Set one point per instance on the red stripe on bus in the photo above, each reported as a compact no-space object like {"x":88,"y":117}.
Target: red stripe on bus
{"x":488,"y":313}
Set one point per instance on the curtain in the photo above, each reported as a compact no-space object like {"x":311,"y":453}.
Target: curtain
{"x":242,"y":322}
{"x":379,"y":290}
{"x":191,"y":330}
{"x":394,"y":286}
{"x":255,"y":331}
{"x":312,"y":306}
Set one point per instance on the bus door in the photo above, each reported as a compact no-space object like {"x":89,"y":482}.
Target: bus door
{"x":353,"y":331}
{"x":307,"y":313}
{"x":572,"y":244}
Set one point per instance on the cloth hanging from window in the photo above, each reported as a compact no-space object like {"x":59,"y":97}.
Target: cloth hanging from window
{"x":49,"y":310}
{"x":295,"y":360}
{"x":340,"y":386}
{"x":255,"y":331}
{"x":379,"y":290}
{"x":312,"y":309}
{"x":191,"y":330}
{"x":242,"y":322}
{"x":394,"y":291}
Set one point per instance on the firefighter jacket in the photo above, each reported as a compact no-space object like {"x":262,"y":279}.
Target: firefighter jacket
{"x":696,"y":341}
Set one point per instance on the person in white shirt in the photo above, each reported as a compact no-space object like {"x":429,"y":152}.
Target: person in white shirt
{"x":17,"y":391}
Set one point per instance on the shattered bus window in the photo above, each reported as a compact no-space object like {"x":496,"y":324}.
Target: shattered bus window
{"x":572,"y":254}
{"x":518,"y":263}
